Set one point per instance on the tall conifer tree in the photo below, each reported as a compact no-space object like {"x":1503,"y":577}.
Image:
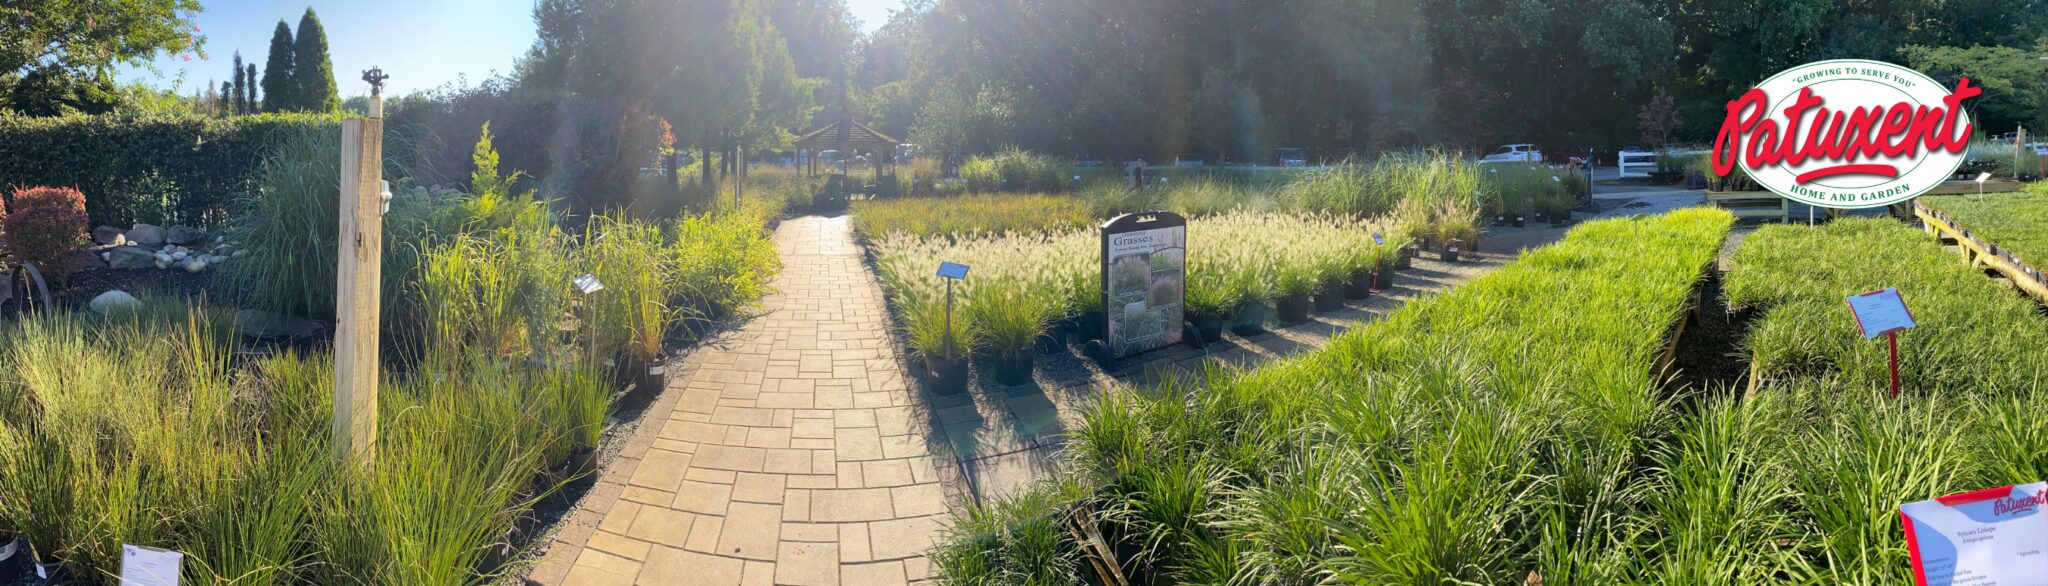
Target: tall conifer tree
{"x":312,"y":69}
{"x":278,"y":86}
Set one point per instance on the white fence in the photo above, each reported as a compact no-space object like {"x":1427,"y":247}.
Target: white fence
{"x":1641,"y":163}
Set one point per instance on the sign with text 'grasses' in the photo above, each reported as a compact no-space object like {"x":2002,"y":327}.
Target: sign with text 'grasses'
{"x":1144,"y":260}
{"x":1847,"y":133}
{"x":1994,"y":537}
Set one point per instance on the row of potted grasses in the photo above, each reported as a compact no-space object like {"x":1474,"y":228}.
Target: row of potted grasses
{"x":1436,"y":196}
{"x":1974,"y":335}
{"x":1024,"y":286}
{"x":2015,"y":222}
{"x":151,"y":429}
{"x":1478,"y":436}
{"x":1799,"y":480}
{"x":159,"y":429}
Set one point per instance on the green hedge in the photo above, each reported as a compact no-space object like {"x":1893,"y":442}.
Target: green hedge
{"x":159,"y":170}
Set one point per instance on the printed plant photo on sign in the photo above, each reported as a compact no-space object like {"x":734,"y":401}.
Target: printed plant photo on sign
{"x":1144,"y":277}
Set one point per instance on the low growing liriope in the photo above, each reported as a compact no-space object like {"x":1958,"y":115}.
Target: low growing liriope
{"x":1482,"y":435}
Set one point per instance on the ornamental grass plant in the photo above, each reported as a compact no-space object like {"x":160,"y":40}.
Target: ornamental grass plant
{"x":1975,"y":336}
{"x":969,"y":215}
{"x":1472,"y":437}
{"x":2015,"y":222}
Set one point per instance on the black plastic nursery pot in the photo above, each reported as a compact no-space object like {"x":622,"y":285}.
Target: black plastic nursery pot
{"x":1383,"y":279}
{"x":1520,"y":221}
{"x":1294,"y":308}
{"x":1406,"y":260}
{"x":948,"y":376}
{"x":1560,"y":218}
{"x":1250,"y":319}
{"x":1011,"y":370}
{"x":1331,"y":298}
{"x":1360,"y":285}
{"x":13,"y":556}
{"x":1209,"y":326}
{"x":1088,"y":326}
{"x":1450,"y":254}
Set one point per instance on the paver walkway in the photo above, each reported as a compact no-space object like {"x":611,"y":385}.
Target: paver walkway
{"x":788,"y":452}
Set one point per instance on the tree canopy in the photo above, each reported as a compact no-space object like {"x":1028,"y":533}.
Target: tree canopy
{"x":57,"y":56}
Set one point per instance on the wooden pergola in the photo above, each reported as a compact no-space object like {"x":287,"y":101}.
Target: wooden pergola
{"x":847,"y":136}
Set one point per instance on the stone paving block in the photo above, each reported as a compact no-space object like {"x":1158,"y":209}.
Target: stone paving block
{"x":668,"y":566}
{"x":703,"y":497}
{"x":751,"y":531}
{"x":888,"y":573}
{"x":848,"y":505}
{"x":807,"y":564}
{"x":662,"y":526}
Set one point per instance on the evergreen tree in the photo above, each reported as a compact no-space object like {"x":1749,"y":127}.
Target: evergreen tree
{"x":278,"y":86}
{"x":231,"y":92}
{"x":313,"y":71}
{"x":227,"y":104}
{"x":249,"y":85}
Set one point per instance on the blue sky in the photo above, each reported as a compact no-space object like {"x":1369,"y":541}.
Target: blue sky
{"x":421,"y":44}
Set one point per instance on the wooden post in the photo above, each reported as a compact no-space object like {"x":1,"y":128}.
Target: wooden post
{"x":357,"y":296}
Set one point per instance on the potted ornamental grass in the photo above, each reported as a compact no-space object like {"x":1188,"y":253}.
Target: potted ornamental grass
{"x":1007,"y":319}
{"x":1293,"y":284}
{"x":942,"y":344}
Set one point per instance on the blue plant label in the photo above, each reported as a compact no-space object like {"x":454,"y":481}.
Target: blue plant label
{"x":952,"y":270}
{"x":587,"y":284}
{"x":149,"y":566}
{"x":1880,"y":312}
{"x":1993,"y":536}
{"x":1378,"y":239}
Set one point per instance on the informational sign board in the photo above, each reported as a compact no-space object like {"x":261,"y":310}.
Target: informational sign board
{"x":2042,"y":151}
{"x":587,"y":284}
{"x":1144,"y":278}
{"x":149,"y":566}
{"x":1379,"y":240}
{"x":1994,"y":537}
{"x":951,"y":270}
{"x":1880,"y":312}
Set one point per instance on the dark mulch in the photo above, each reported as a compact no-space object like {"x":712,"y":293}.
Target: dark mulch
{"x":93,"y":281}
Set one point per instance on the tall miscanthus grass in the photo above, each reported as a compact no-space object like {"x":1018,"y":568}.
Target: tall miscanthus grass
{"x":1471,"y":437}
{"x":632,"y":315}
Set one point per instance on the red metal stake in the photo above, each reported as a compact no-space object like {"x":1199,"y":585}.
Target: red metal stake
{"x":1892,"y":339}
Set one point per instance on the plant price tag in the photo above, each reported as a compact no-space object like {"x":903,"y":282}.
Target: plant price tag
{"x":149,"y":566}
{"x":587,"y":284}
{"x":952,"y":270}
{"x":1379,"y":240}
{"x":1993,"y":537}
{"x":1880,"y":312}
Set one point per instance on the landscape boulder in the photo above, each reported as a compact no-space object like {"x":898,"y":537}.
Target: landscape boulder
{"x":112,"y":302}
{"x":181,"y":235}
{"x":109,"y":235}
{"x":146,"y":235}
{"x":131,"y":257}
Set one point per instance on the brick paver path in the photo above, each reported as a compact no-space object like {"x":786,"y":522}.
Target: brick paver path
{"x":790,"y":454}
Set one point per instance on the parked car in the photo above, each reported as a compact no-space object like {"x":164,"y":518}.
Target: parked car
{"x":1514,"y":153}
{"x":829,"y":156}
{"x":1187,"y":161}
{"x":1087,"y":160}
{"x":1291,"y":157}
{"x":905,"y":152}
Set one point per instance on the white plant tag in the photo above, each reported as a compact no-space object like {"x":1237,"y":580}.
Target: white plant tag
{"x":149,"y":566}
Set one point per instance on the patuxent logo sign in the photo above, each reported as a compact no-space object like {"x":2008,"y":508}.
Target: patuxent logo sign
{"x":1847,"y":133}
